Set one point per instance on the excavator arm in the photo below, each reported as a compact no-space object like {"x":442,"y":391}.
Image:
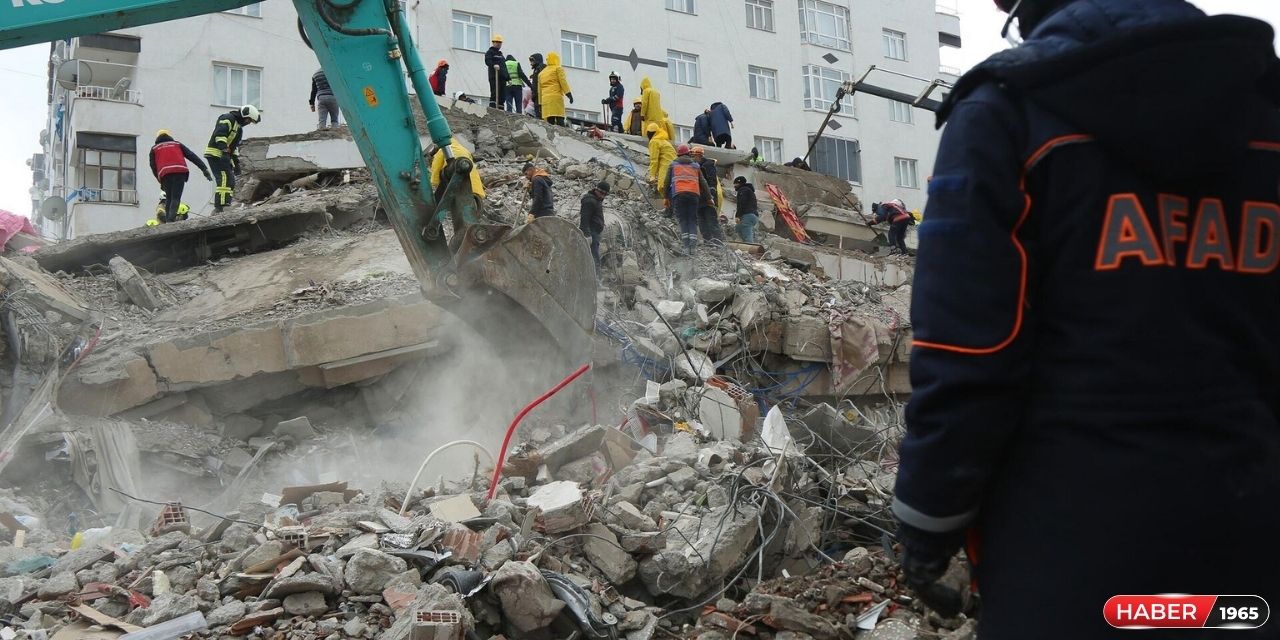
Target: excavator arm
{"x":499,"y":278}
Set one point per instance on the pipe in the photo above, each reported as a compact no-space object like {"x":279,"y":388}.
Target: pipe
{"x":437,"y":126}
{"x":511,"y":429}
{"x":404,"y":506}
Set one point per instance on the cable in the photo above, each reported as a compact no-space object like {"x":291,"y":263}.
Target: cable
{"x":404,"y":506}
{"x":216,"y":515}
{"x":515,"y":422}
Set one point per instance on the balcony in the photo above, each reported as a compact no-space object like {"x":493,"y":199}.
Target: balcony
{"x":947,"y":7}
{"x":950,"y":73}
{"x":947,"y":17}
{"x":114,"y":94}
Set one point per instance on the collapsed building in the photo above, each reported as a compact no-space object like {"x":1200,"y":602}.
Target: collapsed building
{"x":218,"y":426}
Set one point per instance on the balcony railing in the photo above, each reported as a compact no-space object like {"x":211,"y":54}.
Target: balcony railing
{"x":111,"y":196}
{"x":113,"y":94}
{"x":947,"y":7}
{"x":947,"y":70}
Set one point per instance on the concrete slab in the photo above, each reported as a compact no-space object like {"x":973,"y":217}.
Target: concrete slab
{"x":41,"y":290}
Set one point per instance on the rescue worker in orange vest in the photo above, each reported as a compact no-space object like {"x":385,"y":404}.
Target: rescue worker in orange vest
{"x":687,"y":189}
{"x":895,"y":213}
{"x":169,"y":166}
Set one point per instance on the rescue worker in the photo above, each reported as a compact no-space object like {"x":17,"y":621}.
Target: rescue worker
{"x":162,"y":208}
{"x":633,"y":122}
{"x":651,"y":105}
{"x":702,"y":128}
{"x":496,"y":71}
{"x":895,"y":213}
{"x":553,"y":88}
{"x":614,"y":102}
{"x":721,"y":125}
{"x":591,"y":219}
{"x":1096,"y":362}
{"x":661,"y":154}
{"x":542,"y":199}
{"x":169,"y":166}
{"x":515,"y":84}
{"x":438,"y":171}
{"x":709,"y":212}
{"x":686,"y":190}
{"x":537,"y":65}
{"x":322,"y":94}
{"x":748,"y":212}
{"x":222,"y":153}
{"x":439,"y":77}
{"x":755,"y":158}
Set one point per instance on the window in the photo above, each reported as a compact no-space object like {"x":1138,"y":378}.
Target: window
{"x":683,"y":134}
{"x":762,"y":82}
{"x":760,"y":14}
{"x":901,"y":112}
{"x":578,"y":50}
{"x":820,"y":87}
{"x":837,"y":157}
{"x":578,"y":114}
{"x":895,"y":44}
{"x":108,"y":168}
{"x":237,"y":86}
{"x":824,"y":24}
{"x":682,"y":68}
{"x":253,"y":10}
{"x":769,"y":148}
{"x":905,"y":168}
{"x":683,"y":6}
{"x":471,"y":31}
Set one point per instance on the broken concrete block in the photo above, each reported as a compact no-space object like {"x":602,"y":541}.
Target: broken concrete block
{"x":891,"y":629}
{"x":789,"y":615}
{"x":456,"y":509}
{"x":239,"y":427}
{"x":572,"y":446}
{"x":712,"y":291}
{"x":298,"y":428}
{"x":632,"y":518}
{"x":132,"y":283}
{"x":700,"y":552}
{"x":369,"y":570}
{"x":561,"y":503}
{"x":681,"y":447}
{"x":527,"y":601}
{"x":701,"y":369}
{"x":751,"y":308}
{"x":58,"y":586}
{"x":806,"y":338}
{"x":584,"y":471}
{"x":226,"y":614}
{"x":670,"y":310}
{"x":601,"y":548}
{"x":168,"y":607}
{"x":265,"y":552}
{"x":310,"y":603}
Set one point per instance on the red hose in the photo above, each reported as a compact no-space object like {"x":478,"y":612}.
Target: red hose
{"x":511,"y":430}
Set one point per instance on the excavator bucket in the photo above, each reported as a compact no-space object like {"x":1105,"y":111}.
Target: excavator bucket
{"x":534,"y":284}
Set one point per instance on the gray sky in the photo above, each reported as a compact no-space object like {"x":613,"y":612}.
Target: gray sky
{"x":23,"y":78}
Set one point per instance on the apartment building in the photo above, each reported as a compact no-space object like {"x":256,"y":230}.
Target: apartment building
{"x":777,"y":64}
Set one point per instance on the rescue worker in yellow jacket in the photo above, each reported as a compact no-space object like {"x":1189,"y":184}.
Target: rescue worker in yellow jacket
{"x":651,"y":110}
{"x":661,"y":154}
{"x":553,"y":88}
{"x":633,"y":122}
{"x":438,"y":165}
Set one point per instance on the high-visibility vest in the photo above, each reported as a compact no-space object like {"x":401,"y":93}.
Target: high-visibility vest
{"x":685,"y":178}
{"x":169,"y":159}
{"x":513,"y":73}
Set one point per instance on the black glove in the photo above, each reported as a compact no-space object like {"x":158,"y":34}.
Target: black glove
{"x":925,"y":558}
{"x":604,"y":101}
{"x":569,"y":96}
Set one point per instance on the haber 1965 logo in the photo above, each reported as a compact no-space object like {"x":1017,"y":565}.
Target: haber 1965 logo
{"x":1182,"y":611}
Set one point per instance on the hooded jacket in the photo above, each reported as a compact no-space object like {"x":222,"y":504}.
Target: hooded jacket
{"x":591,"y":215}
{"x":438,"y":163}
{"x":661,"y":153}
{"x":439,"y":78}
{"x":537,"y":65}
{"x":720,"y":119}
{"x":651,"y":104}
{"x":1095,"y":313}
{"x":553,"y":85}
{"x":747,"y":203}
{"x":702,"y":129}
{"x":543,"y":200}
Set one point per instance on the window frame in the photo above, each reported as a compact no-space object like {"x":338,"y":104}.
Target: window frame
{"x":899,"y":163}
{"x":849,"y":106}
{"x":583,"y":114}
{"x":683,"y":133}
{"x":246,"y":71}
{"x":467,"y":25}
{"x":896,"y":110}
{"x":677,"y":60}
{"x":577,"y":43}
{"x":764,"y":10}
{"x":125,"y":173}
{"x":769,"y":80}
{"x":809,"y":28}
{"x":818,"y":160}
{"x":762,"y":143}
{"x":691,"y":6}
{"x":891,"y":39}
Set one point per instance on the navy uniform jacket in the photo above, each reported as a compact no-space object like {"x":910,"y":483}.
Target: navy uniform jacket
{"x":1096,"y":308}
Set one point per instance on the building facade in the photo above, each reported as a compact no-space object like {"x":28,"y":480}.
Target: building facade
{"x":776,"y":64}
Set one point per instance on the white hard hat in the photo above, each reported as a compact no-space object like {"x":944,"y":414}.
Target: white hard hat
{"x":250,"y":112}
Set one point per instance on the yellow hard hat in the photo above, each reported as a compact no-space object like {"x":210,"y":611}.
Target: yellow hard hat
{"x":153,"y":222}
{"x":637,"y":101}
{"x":163,"y":132}
{"x":652,"y":128}
{"x":496,"y":39}
{"x":697,"y":150}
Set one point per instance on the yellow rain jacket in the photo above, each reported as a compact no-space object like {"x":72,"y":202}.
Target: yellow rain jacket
{"x":552,"y":85}
{"x":459,"y":151}
{"x":661,"y":155}
{"x":651,"y":107}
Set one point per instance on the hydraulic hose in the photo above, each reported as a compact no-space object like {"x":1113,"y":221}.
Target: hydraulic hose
{"x":511,"y":430}
{"x":404,"y":506}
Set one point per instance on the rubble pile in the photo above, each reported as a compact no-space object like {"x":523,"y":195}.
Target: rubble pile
{"x":213,"y":430}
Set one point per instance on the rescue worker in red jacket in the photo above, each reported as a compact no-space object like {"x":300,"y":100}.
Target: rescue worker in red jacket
{"x":687,"y":189}
{"x":169,"y":166}
{"x":895,"y":213}
{"x":1095,"y":377}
